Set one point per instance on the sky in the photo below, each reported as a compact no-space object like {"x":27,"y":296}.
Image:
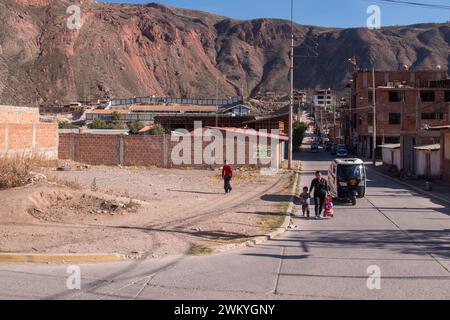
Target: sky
{"x":327,"y":13}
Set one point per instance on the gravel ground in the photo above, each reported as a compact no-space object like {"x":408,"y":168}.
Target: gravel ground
{"x":150,"y":212}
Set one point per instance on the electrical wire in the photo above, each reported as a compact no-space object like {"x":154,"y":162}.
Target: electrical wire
{"x":416,"y":4}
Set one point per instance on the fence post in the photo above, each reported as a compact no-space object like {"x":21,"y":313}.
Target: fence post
{"x":121,"y":150}
{"x":72,"y":146}
{"x":165,"y":150}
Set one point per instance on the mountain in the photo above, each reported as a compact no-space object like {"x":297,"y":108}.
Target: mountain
{"x":141,"y":50}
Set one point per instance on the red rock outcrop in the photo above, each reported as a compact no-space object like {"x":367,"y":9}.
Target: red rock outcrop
{"x":140,"y":50}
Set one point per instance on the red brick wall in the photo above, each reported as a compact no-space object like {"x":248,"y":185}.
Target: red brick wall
{"x":100,"y":149}
{"x":34,"y":138}
{"x":143,"y":150}
{"x":64,"y":146}
{"x":97,"y":149}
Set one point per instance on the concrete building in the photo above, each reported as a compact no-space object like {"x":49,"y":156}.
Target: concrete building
{"x":407,"y":102}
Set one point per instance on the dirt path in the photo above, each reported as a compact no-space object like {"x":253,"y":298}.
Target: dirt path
{"x":172,"y":211}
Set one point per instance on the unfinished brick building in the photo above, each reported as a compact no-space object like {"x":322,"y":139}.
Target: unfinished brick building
{"x":407,"y":103}
{"x":21,"y":134}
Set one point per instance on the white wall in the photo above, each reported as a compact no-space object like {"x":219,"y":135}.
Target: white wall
{"x":387,"y":157}
{"x":421,"y":163}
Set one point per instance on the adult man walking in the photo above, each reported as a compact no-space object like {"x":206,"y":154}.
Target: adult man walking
{"x":227,"y":174}
{"x":320,"y":186}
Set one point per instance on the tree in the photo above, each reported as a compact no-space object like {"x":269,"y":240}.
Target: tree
{"x":116,"y":116}
{"x":135,"y":127}
{"x":101,"y":124}
{"x":63,"y":124}
{"x":299,"y":129}
{"x":158,"y":130}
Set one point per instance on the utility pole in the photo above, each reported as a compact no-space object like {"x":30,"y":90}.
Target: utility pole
{"x":291,"y":105}
{"x":217,"y":102}
{"x":374,"y":149}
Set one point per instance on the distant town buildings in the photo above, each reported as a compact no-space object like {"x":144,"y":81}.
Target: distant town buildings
{"x":407,"y":104}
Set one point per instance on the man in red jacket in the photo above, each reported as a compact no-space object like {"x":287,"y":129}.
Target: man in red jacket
{"x":227,"y":174}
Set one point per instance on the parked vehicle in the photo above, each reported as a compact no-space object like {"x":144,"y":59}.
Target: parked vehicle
{"x":342,"y":152}
{"x":333,"y":149}
{"x":347,"y":179}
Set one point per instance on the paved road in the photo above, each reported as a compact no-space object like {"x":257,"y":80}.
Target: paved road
{"x":404,"y":235}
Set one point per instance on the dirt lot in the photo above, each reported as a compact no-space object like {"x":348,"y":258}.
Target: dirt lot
{"x":146,"y":212}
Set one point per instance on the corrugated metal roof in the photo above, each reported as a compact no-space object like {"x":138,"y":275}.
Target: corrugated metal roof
{"x":146,"y":128}
{"x":429,"y":147}
{"x":251,"y":132}
{"x":390,"y":146}
{"x":439,"y":127}
{"x":173,"y":107}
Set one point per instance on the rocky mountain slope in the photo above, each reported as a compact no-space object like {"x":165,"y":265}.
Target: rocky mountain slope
{"x":141,"y":50}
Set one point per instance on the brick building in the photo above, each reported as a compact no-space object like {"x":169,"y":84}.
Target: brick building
{"x":21,"y":134}
{"x":407,"y":102}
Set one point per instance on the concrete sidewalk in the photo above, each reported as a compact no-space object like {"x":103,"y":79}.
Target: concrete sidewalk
{"x":440,"y":192}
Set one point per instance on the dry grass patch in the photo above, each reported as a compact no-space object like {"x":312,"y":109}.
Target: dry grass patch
{"x":17,"y":171}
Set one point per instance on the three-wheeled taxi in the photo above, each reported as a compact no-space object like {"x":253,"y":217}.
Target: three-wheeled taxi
{"x":347,"y":179}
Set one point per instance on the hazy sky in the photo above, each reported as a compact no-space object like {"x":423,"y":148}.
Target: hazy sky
{"x":338,"y":13}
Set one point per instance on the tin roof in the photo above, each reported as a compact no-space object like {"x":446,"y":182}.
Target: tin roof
{"x":251,"y":132}
{"x":172,"y":107}
{"x":439,"y":127}
{"x":390,"y":146}
{"x":429,"y":147}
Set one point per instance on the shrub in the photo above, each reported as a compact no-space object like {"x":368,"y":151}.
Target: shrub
{"x":66,"y":125}
{"x":15,"y":171}
{"x":299,"y":129}
{"x":101,"y":124}
{"x":135,"y":127}
{"x":158,"y":130}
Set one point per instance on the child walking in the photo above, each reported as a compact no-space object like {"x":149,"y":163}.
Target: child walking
{"x":304,"y":199}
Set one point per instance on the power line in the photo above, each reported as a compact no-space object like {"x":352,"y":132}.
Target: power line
{"x":417,"y":4}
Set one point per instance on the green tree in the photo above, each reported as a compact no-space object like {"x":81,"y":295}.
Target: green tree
{"x":298,"y":132}
{"x":63,"y":124}
{"x":158,"y":130}
{"x":135,"y":127}
{"x":116,"y":116}
{"x":101,"y":124}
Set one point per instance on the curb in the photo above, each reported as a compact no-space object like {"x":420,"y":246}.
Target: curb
{"x":409,"y":186}
{"x":261,"y":239}
{"x":60,"y":258}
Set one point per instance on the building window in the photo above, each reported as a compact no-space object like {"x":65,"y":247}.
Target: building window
{"x":394,"y":118}
{"x":370,"y":96}
{"x":370,"y":118}
{"x":394,"y":96}
{"x":427,"y":96}
{"x":433,"y":116}
{"x":447,"y":96}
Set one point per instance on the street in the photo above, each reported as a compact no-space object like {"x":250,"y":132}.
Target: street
{"x":400,"y":235}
